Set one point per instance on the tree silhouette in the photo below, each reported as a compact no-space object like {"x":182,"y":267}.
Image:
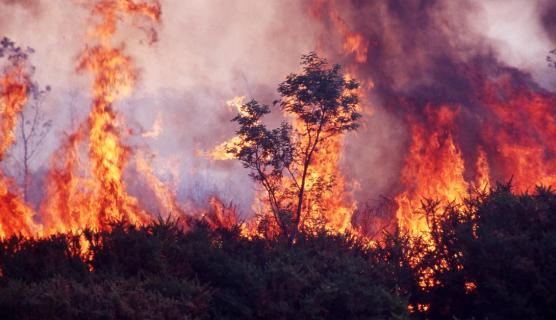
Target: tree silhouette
{"x":322,"y":103}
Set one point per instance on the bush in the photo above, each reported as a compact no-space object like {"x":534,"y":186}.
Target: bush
{"x":62,"y":298}
{"x":159,"y":271}
{"x":492,"y":258}
{"x":500,"y":256}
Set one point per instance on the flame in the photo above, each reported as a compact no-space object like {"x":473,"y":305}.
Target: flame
{"x":470,"y":287}
{"x":330,"y":206}
{"x":353,"y":42}
{"x":15,"y":216}
{"x":235,"y":104}
{"x":482,"y":180}
{"x":13,"y":86}
{"x":434,"y":169}
{"x":524,"y":132}
{"x":68,"y":205}
{"x":166,"y":197}
{"x":220,"y":152}
{"x":220,"y":215}
{"x":514,"y":138}
{"x":99,"y":197}
{"x":333,"y":207}
{"x":114,"y":78}
{"x":86,"y":188}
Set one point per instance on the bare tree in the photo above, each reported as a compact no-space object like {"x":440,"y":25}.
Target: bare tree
{"x":34,"y":126}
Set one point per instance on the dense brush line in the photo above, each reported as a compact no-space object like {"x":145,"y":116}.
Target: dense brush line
{"x":494,"y":257}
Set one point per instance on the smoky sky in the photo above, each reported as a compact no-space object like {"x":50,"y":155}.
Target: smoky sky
{"x":424,"y":54}
{"x":547,"y":10}
{"x":32,"y":5}
{"x":209,"y":51}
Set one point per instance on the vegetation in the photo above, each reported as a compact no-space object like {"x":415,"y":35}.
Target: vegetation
{"x":494,"y":258}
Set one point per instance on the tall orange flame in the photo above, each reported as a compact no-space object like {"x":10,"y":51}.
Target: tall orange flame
{"x":97,"y":200}
{"x":434,"y":169}
{"x":524,"y":132}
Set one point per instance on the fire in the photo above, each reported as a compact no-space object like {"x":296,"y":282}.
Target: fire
{"x":220,"y":152}
{"x":79,"y":199}
{"x":434,"y":169}
{"x":524,"y":132}
{"x":13,"y":86}
{"x":470,"y":287}
{"x":114,"y":78}
{"x":482,"y":180}
{"x":220,"y":215}
{"x":16,"y":217}
{"x":353,"y":42}
{"x":514,"y":137}
{"x":167,"y":203}
{"x":508,"y":118}
{"x":68,"y":205}
{"x":331,"y":207}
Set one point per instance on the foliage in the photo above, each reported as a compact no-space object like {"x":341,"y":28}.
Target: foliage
{"x":505,"y":245}
{"x":490,"y":258}
{"x":160,"y":271}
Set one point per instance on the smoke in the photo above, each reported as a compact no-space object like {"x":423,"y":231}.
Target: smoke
{"x":521,"y":33}
{"x":434,"y":53}
{"x":34,"y":6}
{"x":207,"y":52}
{"x":547,"y":10}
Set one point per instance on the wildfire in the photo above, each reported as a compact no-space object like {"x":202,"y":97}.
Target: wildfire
{"x":524,"y":132}
{"x":514,"y":136}
{"x":511,"y":120}
{"x":434,"y":169}
{"x":98,"y":198}
{"x":69,"y":199}
{"x":332,"y":205}
{"x":220,"y":215}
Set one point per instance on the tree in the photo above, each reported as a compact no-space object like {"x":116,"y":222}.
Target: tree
{"x":322,"y":103}
{"x":34,"y":126}
{"x":33,"y":123}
